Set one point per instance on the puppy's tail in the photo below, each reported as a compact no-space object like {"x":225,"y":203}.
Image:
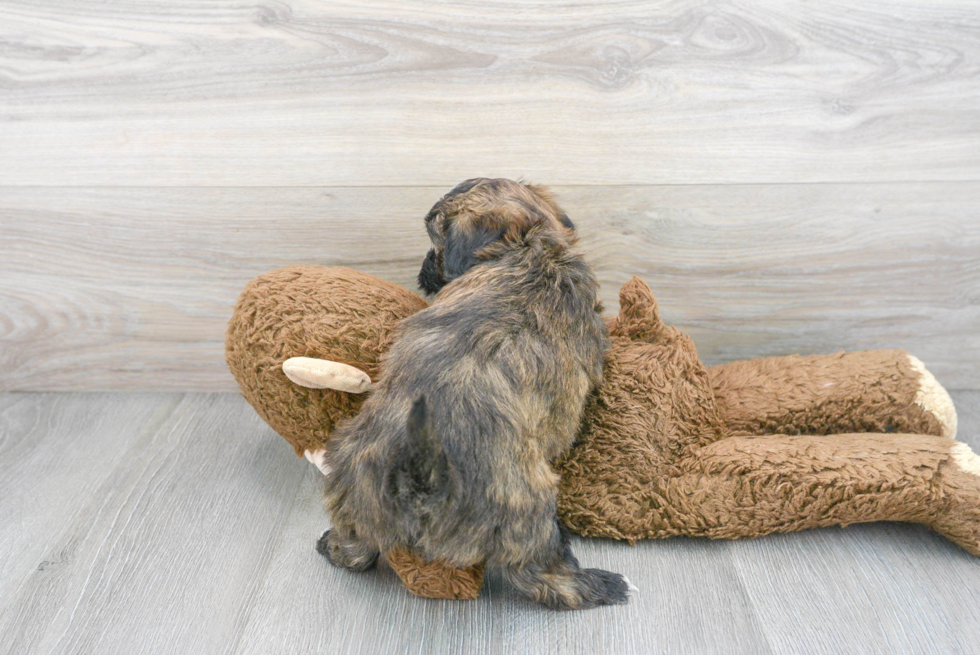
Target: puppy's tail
{"x":422,"y":469}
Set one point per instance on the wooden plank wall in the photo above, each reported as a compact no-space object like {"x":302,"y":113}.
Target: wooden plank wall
{"x":788,"y":177}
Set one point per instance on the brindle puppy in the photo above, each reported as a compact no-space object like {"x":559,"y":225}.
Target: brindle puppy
{"x":450,"y":456}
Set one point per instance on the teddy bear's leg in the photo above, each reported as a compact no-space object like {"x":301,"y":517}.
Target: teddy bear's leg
{"x":960,"y":520}
{"x":751,"y":486}
{"x":869,"y":391}
{"x":435,"y":579}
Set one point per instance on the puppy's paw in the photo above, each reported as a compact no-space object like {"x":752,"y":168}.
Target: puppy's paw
{"x":603,"y":588}
{"x":347,"y":554}
{"x":322,"y":545}
{"x":581,"y":589}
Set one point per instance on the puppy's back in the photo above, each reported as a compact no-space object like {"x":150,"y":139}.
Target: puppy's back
{"x":502,"y":361}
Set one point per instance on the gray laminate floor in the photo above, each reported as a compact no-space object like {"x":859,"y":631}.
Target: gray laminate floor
{"x":169,"y":523}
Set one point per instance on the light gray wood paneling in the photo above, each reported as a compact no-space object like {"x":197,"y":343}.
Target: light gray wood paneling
{"x":166,"y":554}
{"x":123,"y":288}
{"x":400,"y":92}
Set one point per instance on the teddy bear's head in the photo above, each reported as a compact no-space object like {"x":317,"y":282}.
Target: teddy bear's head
{"x":336,"y":314}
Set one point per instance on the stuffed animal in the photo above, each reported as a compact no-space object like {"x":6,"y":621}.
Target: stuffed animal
{"x":667,"y":446}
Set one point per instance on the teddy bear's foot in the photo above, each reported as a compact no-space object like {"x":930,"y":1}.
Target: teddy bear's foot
{"x":435,"y":579}
{"x":960,"y":521}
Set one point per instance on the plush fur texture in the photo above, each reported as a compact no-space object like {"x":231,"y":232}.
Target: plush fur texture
{"x":815,"y":394}
{"x":481,"y":392}
{"x":343,"y":316}
{"x":435,"y":579}
{"x":669,"y":447}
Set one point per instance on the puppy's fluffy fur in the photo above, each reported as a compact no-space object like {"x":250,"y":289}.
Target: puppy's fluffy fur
{"x":450,"y":456}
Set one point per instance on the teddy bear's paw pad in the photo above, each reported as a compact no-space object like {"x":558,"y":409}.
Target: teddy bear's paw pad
{"x":964,"y":457}
{"x":933,"y":398}
{"x":319,"y":459}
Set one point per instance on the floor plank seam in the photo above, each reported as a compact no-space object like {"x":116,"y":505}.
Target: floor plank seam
{"x":260,"y":586}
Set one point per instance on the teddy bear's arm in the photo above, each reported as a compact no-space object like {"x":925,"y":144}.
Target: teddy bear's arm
{"x":868,"y":391}
{"x":316,"y":373}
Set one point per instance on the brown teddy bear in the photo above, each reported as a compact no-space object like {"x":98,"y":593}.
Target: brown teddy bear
{"x":667,"y":446}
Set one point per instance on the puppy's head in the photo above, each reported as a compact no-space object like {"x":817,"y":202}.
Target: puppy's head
{"x":480,"y":213}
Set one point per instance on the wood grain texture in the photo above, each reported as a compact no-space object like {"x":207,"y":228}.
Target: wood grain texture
{"x":877,"y":588}
{"x":176,"y":523}
{"x":408,"y":92}
{"x":55,"y":453}
{"x":165,"y":555}
{"x":130,"y":288}
{"x":307,"y":605}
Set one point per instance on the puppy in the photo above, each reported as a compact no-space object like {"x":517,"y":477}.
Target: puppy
{"x":451,"y":455}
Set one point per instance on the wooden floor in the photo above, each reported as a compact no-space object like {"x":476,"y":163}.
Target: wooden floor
{"x":180,"y":523}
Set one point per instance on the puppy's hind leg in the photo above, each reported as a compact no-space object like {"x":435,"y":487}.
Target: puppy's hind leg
{"x":553,"y":577}
{"x":342,"y":548}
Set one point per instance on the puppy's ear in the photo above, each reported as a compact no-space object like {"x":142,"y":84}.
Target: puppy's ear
{"x":462,"y":246}
{"x":436,"y":223}
{"x":431,"y":279}
{"x":438,"y":219}
{"x":464,"y":186}
{"x":566,"y":221}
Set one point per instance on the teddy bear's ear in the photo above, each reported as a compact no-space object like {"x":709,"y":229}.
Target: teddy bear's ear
{"x":638,"y":316}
